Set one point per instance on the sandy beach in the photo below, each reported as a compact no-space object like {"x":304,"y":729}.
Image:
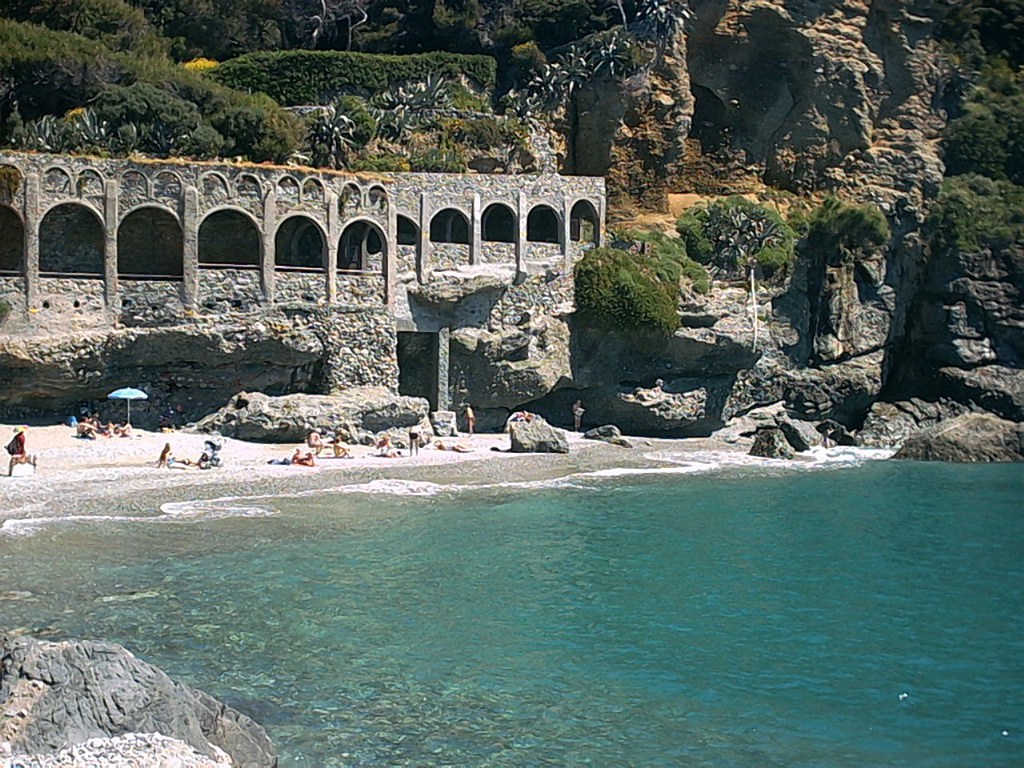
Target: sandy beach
{"x":107,"y":475}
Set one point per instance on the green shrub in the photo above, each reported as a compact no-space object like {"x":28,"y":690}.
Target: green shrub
{"x":113,"y":23}
{"x":668,"y":255}
{"x":443,"y":159}
{"x":847,"y":229}
{"x":365,"y":124}
{"x":310,"y":77}
{"x":620,"y":290}
{"x":381,"y":163}
{"x":734,"y":233}
{"x":974,"y":212}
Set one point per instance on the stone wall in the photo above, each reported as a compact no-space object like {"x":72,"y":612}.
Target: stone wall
{"x":227,"y":290}
{"x":551,"y":293}
{"x":150,"y":302}
{"x":300,"y":287}
{"x":360,"y":348}
{"x":360,"y":290}
{"x":448,"y":256}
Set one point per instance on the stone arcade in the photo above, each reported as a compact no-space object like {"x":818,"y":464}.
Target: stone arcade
{"x":87,"y":242}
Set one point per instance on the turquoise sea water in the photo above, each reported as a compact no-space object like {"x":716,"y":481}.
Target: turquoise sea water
{"x":860,"y":617}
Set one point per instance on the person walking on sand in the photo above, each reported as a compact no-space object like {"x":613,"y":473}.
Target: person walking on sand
{"x":470,"y":419}
{"x":577,"y":414}
{"x":16,"y":448}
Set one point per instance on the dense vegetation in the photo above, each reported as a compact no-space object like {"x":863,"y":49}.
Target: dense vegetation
{"x":845,"y":231}
{"x":981,"y":202}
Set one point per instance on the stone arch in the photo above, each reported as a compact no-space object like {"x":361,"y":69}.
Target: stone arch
{"x":214,"y":188}
{"x":498,"y":224}
{"x":350,"y":199}
{"x":300,"y":244}
{"x":12,"y":242}
{"x":56,"y":182}
{"x":249,"y":188}
{"x":313,"y":191}
{"x":89,"y":183}
{"x":377,"y":199}
{"x":229,"y":238}
{"x":408,"y":231}
{"x":11,"y":181}
{"x":360,"y":240}
{"x":150,"y":244}
{"x":71,"y":241}
{"x":288,"y":190}
{"x":542,"y":225}
{"x":584,"y":223}
{"x":449,"y":225}
{"x":167,"y":186}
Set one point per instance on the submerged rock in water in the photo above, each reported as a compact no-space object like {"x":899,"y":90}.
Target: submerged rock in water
{"x":973,"y":437}
{"x":54,"y":695}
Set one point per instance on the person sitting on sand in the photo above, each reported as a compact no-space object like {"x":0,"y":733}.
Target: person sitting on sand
{"x":123,"y":429}
{"x":303,"y":459}
{"x":339,"y":448}
{"x":385,"y":449}
{"x":315,"y":442}
{"x":165,"y":457}
{"x":85,"y":430}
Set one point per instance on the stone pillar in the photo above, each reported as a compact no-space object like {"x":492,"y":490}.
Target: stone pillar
{"x":267,"y":254}
{"x":521,"y":215}
{"x":111,"y":292}
{"x":601,"y":219}
{"x":333,"y":236}
{"x":444,"y":341}
{"x":190,"y":248}
{"x":391,"y":256}
{"x":423,"y":252}
{"x":476,"y":231}
{"x":567,"y":234}
{"x":32,"y":222}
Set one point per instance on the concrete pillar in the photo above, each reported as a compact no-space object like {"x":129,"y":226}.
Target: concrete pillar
{"x":333,"y":236}
{"x":600,"y":221}
{"x":268,"y":250}
{"x":190,"y":244}
{"x":111,"y":292}
{"x":423,"y":252}
{"x":476,"y":231}
{"x":32,"y":222}
{"x":444,"y":342}
{"x":566,"y":235}
{"x":521,"y":215}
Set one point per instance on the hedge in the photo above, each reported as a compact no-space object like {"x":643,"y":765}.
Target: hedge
{"x":308,"y":77}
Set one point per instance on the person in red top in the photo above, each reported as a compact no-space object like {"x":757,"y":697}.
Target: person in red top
{"x":16,"y":448}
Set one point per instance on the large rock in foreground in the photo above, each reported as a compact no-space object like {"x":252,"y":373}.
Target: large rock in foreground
{"x":973,"y":437}
{"x":353,"y":412}
{"x":537,"y":436}
{"x":55,"y":695}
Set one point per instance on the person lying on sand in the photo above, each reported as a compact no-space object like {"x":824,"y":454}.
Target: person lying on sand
{"x":384,"y":448}
{"x":457,"y":447}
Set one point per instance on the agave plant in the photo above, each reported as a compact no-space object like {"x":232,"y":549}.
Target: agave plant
{"x":126,"y":139}
{"x":660,"y":20}
{"x":47,"y":134}
{"x":89,"y":131}
{"x":331,"y":137}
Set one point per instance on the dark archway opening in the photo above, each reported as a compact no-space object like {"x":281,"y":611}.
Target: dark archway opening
{"x":584,"y":223}
{"x":12,"y":242}
{"x":300,"y":245}
{"x":498,"y":224}
{"x":449,"y":226}
{"x":542,"y":225}
{"x":150,"y":245}
{"x":71,"y":242}
{"x":229,"y":239}
{"x":417,"y":366}
{"x":408,"y":232}
{"x":358,"y":243}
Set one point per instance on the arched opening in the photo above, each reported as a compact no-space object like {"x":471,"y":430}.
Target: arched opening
{"x":449,"y":226}
{"x":498,"y":224}
{"x":584,"y":224}
{"x":229,"y":239}
{"x":360,"y":241}
{"x":408,"y":232}
{"x":71,"y":242}
{"x":542,"y":225}
{"x":300,"y":245}
{"x":377,"y":199}
{"x":150,"y":245}
{"x":12,"y":242}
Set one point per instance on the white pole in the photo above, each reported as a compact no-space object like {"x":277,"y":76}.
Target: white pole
{"x":753,"y":300}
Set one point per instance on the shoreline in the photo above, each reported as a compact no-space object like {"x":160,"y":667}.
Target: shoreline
{"x":77,"y":477}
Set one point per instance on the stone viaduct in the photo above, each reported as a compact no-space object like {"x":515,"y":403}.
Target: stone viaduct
{"x":147,"y":243}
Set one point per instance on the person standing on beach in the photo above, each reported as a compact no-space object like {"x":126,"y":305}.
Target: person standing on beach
{"x":470,"y":419}
{"x":414,"y":439}
{"x":577,"y":414}
{"x":16,"y":448}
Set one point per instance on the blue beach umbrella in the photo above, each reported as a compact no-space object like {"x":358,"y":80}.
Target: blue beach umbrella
{"x":129,"y":394}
